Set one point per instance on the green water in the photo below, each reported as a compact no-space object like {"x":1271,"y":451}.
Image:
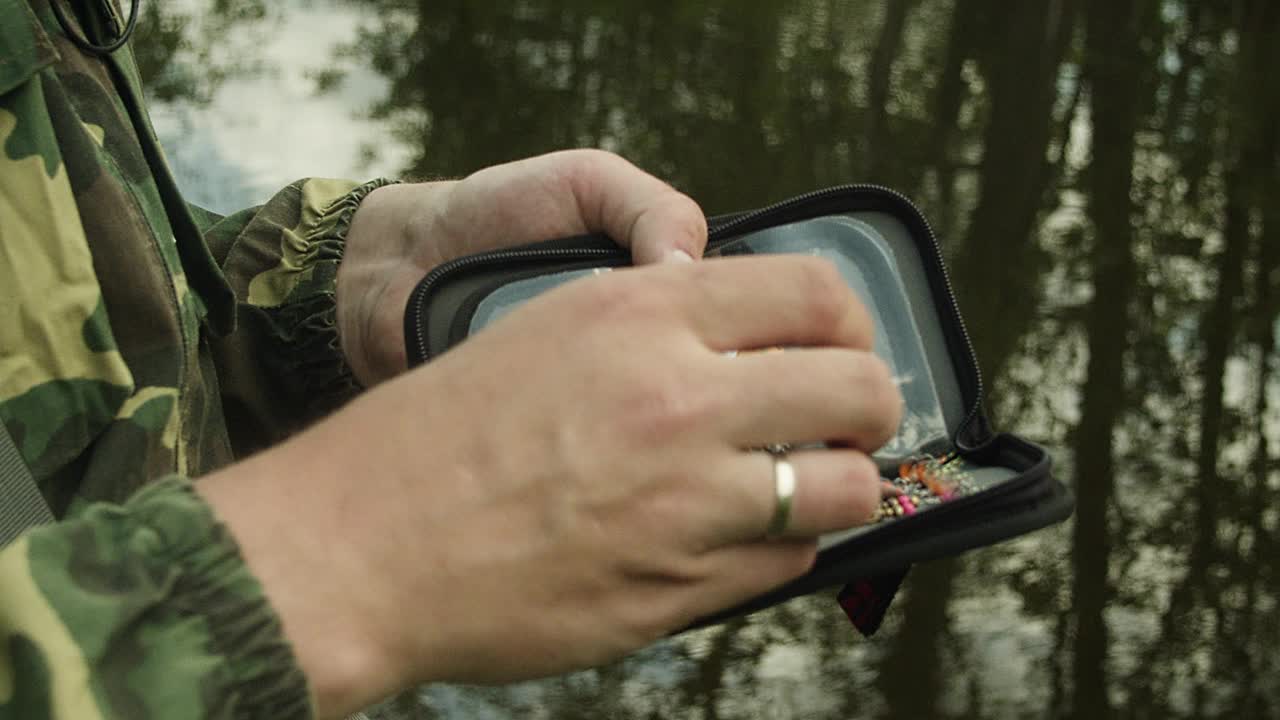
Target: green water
{"x":1105,"y":178}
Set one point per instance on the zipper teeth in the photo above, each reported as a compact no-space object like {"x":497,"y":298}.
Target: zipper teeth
{"x":717,"y":233}
{"x":415,"y":299}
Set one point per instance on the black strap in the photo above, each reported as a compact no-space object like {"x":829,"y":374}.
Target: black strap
{"x":21,"y":504}
{"x":84,"y":43}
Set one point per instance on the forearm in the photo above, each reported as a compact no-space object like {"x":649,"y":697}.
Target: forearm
{"x":304,"y":517}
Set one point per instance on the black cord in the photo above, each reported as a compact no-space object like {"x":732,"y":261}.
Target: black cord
{"x":85,"y":43}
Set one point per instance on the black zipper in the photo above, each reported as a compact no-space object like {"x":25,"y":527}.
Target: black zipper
{"x":800,"y":207}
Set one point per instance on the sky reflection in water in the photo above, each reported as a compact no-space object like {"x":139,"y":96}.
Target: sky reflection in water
{"x":1104,"y":177}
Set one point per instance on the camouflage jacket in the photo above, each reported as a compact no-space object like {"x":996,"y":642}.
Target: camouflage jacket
{"x":143,"y":342}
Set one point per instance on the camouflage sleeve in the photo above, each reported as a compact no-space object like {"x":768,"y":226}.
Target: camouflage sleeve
{"x":282,"y":366}
{"x":140,"y":611}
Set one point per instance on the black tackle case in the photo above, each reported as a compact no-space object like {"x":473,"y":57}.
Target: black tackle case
{"x":889,"y":255}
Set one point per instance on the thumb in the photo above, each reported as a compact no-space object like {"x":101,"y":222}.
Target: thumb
{"x":669,"y":228}
{"x":654,"y":220}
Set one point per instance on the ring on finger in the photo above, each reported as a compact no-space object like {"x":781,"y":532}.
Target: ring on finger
{"x":784,"y":488}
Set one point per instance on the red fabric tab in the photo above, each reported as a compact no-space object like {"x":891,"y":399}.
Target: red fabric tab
{"x":865,"y":601}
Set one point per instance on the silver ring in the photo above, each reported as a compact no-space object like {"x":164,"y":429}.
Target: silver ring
{"x":784,"y":488}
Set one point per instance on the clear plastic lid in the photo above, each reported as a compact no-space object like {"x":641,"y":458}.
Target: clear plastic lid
{"x":512,"y":295}
{"x":865,"y":257}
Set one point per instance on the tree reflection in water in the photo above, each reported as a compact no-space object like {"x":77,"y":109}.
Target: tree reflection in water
{"x":1105,"y":176}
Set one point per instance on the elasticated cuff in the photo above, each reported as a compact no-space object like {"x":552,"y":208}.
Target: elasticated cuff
{"x":260,"y":670}
{"x":164,"y":611}
{"x":309,"y":325}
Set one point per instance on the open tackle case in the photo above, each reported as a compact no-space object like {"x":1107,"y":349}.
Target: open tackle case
{"x":961,"y":484}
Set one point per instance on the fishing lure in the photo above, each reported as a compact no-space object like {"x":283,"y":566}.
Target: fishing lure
{"x":922,"y":482}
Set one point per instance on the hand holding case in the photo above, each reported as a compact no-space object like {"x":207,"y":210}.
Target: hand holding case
{"x":888,"y":254}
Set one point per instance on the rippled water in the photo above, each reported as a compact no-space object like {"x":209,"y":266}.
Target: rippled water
{"x":1105,"y":178}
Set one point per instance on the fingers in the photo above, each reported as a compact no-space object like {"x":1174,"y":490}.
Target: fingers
{"x":637,"y":210}
{"x":834,"y":490}
{"x":812,"y":395}
{"x":776,"y":300}
{"x":741,"y":572}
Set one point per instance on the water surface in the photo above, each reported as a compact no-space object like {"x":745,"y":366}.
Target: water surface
{"x":1105,"y":178}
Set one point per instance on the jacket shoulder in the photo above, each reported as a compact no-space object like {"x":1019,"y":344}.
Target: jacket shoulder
{"x":24,"y":46}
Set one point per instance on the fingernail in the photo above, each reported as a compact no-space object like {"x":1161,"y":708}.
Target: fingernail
{"x":679,"y":256}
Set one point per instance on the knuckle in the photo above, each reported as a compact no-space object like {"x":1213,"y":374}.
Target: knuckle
{"x":670,"y":408}
{"x":687,"y":215}
{"x":862,"y":483}
{"x":852,"y":495}
{"x":889,"y":404}
{"x":581,"y":168}
{"x":689,"y":568}
{"x":881,"y":400}
{"x":833,"y":307}
{"x":585,"y":159}
{"x":621,"y":301}
{"x":582,"y":157}
{"x":826,"y":299}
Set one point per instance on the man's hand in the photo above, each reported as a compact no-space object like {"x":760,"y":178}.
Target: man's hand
{"x":400,"y":232}
{"x":570,"y":484}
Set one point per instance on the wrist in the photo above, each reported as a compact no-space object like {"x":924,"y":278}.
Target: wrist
{"x":383,"y":261}
{"x":317,"y":570}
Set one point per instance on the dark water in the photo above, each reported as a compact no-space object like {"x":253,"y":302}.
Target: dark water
{"x":1105,"y":176}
